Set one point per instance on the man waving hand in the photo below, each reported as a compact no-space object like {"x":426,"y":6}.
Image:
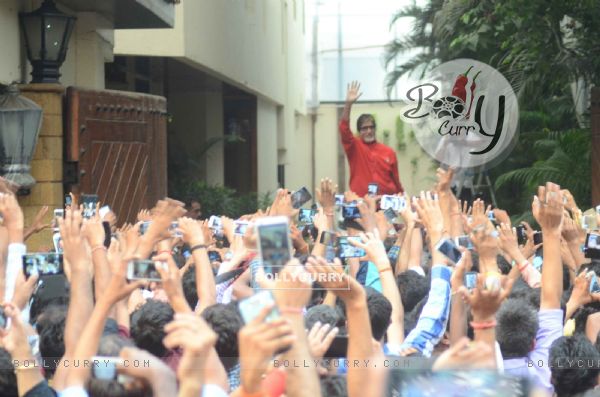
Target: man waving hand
{"x":370,"y":161}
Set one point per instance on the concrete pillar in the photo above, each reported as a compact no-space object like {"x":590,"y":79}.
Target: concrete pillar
{"x":47,"y":163}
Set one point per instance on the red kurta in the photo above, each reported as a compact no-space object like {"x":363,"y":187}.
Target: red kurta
{"x":370,"y":162}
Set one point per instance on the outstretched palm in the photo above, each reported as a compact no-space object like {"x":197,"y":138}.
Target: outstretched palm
{"x":353,"y":92}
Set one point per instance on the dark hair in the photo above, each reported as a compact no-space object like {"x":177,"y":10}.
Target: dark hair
{"x":581,"y":315}
{"x":325,"y":315}
{"x":503,"y":265}
{"x":411,"y":318}
{"x":380,"y":312}
{"x":363,"y":118}
{"x":521,"y":290}
{"x":517,"y":326}
{"x":148,"y":326}
{"x":577,"y":379}
{"x":8,"y":379}
{"x":226,"y":321}
{"x":190,"y":290}
{"x":413,"y":287}
{"x":50,"y":327}
{"x":334,"y":386}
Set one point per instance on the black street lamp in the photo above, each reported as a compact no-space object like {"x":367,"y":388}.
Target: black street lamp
{"x":20,"y":121}
{"x":46,"y":31}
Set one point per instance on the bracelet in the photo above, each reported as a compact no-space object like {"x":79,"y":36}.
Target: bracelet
{"x":97,"y":247}
{"x":487,"y":325}
{"x":523,"y":265}
{"x":198,"y":247}
{"x":290,"y":310}
{"x":386,"y":269}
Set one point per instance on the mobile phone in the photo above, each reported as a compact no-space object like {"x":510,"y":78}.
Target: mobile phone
{"x":449,"y":249}
{"x":59,"y":213}
{"x":591,"y":248}
{"x":144,"y":227}
{"x":143,"y":269}
{"x":103,"y":211}
{"x":464,"y":241}
{"x":339,"y":199}
{"x":300,"y":197}
{"x":373,"y":189}
{"x":89,"y":202}
{"x":350,"y":211}
{"x":173,"y":230}
{"x":521,"y":235}
{"x":68,"y":200}
{"x":394,"y":202}
{"x":347,"y":250}
{"x":338,"y":347}
{"x":57,"y":241}
{"x":3,"y":320}
{"x":43,"y":264}
{"x":214,"y":256}
{"x":491,"y":216}
{"x":107,"y":233}
{"x":240,"y":227}
{"x":538,"y":238}
{"x":274,"y":245}
{"x":470,"y":280}
{"x":390,"y":215}
{"x":305,"y":217}
{"x":214,"y":222}
{"x":594,"y":285}
{"x":105,"y":368}
{"x":253,"y":305}
{"x":327,"y":238}
{"x":588,"y":222}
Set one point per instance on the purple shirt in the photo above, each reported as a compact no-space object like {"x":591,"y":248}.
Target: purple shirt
{"x":536,"y":365}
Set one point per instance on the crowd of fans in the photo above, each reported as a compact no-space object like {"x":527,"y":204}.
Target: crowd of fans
{"x":398,"y":321}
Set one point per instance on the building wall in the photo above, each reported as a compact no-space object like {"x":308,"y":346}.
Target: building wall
{"x":10,"y":65}
{"x":266,"y":120}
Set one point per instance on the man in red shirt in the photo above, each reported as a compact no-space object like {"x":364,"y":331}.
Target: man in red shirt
{"x":370,"y":161}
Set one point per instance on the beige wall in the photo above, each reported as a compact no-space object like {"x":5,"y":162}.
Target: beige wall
{"x":266,"y":123}
{"x":10,"y":66}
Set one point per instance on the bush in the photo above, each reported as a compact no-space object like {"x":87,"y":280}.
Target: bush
{"x":220,"y":200}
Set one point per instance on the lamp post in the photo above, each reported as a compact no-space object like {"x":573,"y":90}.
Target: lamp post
{"x":46,"y":32}
{"x":20,"y":121}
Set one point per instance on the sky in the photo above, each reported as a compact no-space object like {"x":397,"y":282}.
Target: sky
{"x":365,"y":31}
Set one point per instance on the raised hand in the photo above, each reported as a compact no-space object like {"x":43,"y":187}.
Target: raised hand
{"x":38,"y":223}
{"x":93,"y":231}
{"x":320,"y":337}
{"x":171,"y":282}
{"x":430,"y":214}
{"x":547,"y":208}
{"x":485,"y":303}
{"x":165,"y":212}
{"x":74,"y":248}
{"x":333,"y":277}
{"x":353,"y":92}
{"x":192,"y":231}
{"x":326,"y":194}
{"x":507,"y":239}
{"x":373,"y":246}
{"x":444,"y":179}
{"x":13,"y":216}
{"x":144,"y":216}
{"x":465,"y":354}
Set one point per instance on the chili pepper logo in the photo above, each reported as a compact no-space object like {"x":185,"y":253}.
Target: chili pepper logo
{"x":455,"y":105}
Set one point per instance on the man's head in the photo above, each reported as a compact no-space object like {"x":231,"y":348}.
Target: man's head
{"x":366,"y":127}
{"x":51,"y":329}
{"x":517,"y":327}
{"x":194,"y":209}
{"x":226,"y":321}
{"x":582,"y":372}
{"x":148,"y":326}
{"x":413,"y":287}
{"x":380,"y":311}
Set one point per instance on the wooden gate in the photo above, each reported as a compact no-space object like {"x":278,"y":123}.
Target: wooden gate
{"x":116,"y":147}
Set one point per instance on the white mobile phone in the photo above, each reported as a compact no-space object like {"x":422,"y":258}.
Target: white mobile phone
{"x":274,"y":245}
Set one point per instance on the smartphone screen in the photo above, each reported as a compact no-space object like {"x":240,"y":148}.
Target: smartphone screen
{"x":253,"y":305}
{"x":470,"y":280}
{"x":240,"y":228}
{"x":449,"y":249}
{"x":338,"y":348}
{"x":3,"y":320}
{"x":144,"y":227}
{"x":300,"y":197}
{"x":594,"y":285}
{"x":592,"y":246}
{"x":339,"y":199}
{"x":214,"y":256}
{"x":327,"y":238}
{"x":464,"y":241}
{"x":57,"y":241}
{"x":59,"y":213}
{"x":394,"y":202}
{"x":143,"y":269}
{"x":373,"y":189}
{"x":347,"y":250}
{"x":89,"y":202}
{"x":173,"y":230}
{"x":214,"y":222}
{"x":43,"y":264}
{"x":305,"y":216}
{"x":537,"y":238}
{"x":274,"y":243}
{"x":68,"y":200}
{"x":390,"y":215}
{"x":350,"y":212}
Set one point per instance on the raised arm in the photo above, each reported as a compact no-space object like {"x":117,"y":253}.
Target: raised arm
{"x":352,"y":95}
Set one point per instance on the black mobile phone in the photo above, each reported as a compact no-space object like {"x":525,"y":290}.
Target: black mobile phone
{"x":449,"y":249}
{"x":521,"y":235}
{"x":143,"y":269}
{"x":300,"y":197}
{"x":390,"y":215}
{"x":591,"y":249}
{"x":144,"y":227}
{"x":350,"y":211}
{"x":43,"y":264}
{"x":274,"y":243}
{"x":347,"y":250}
{"x":214,"y":256}
{"x":373,"y":189}
{"x":3,"y":320}
{"x":305,"y":216}
{"x":327,"y":238}
{"x":89,"y":202}
{"x":537,"y":238}
{"x":107,"y":233}
{"x":338,"y":348}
